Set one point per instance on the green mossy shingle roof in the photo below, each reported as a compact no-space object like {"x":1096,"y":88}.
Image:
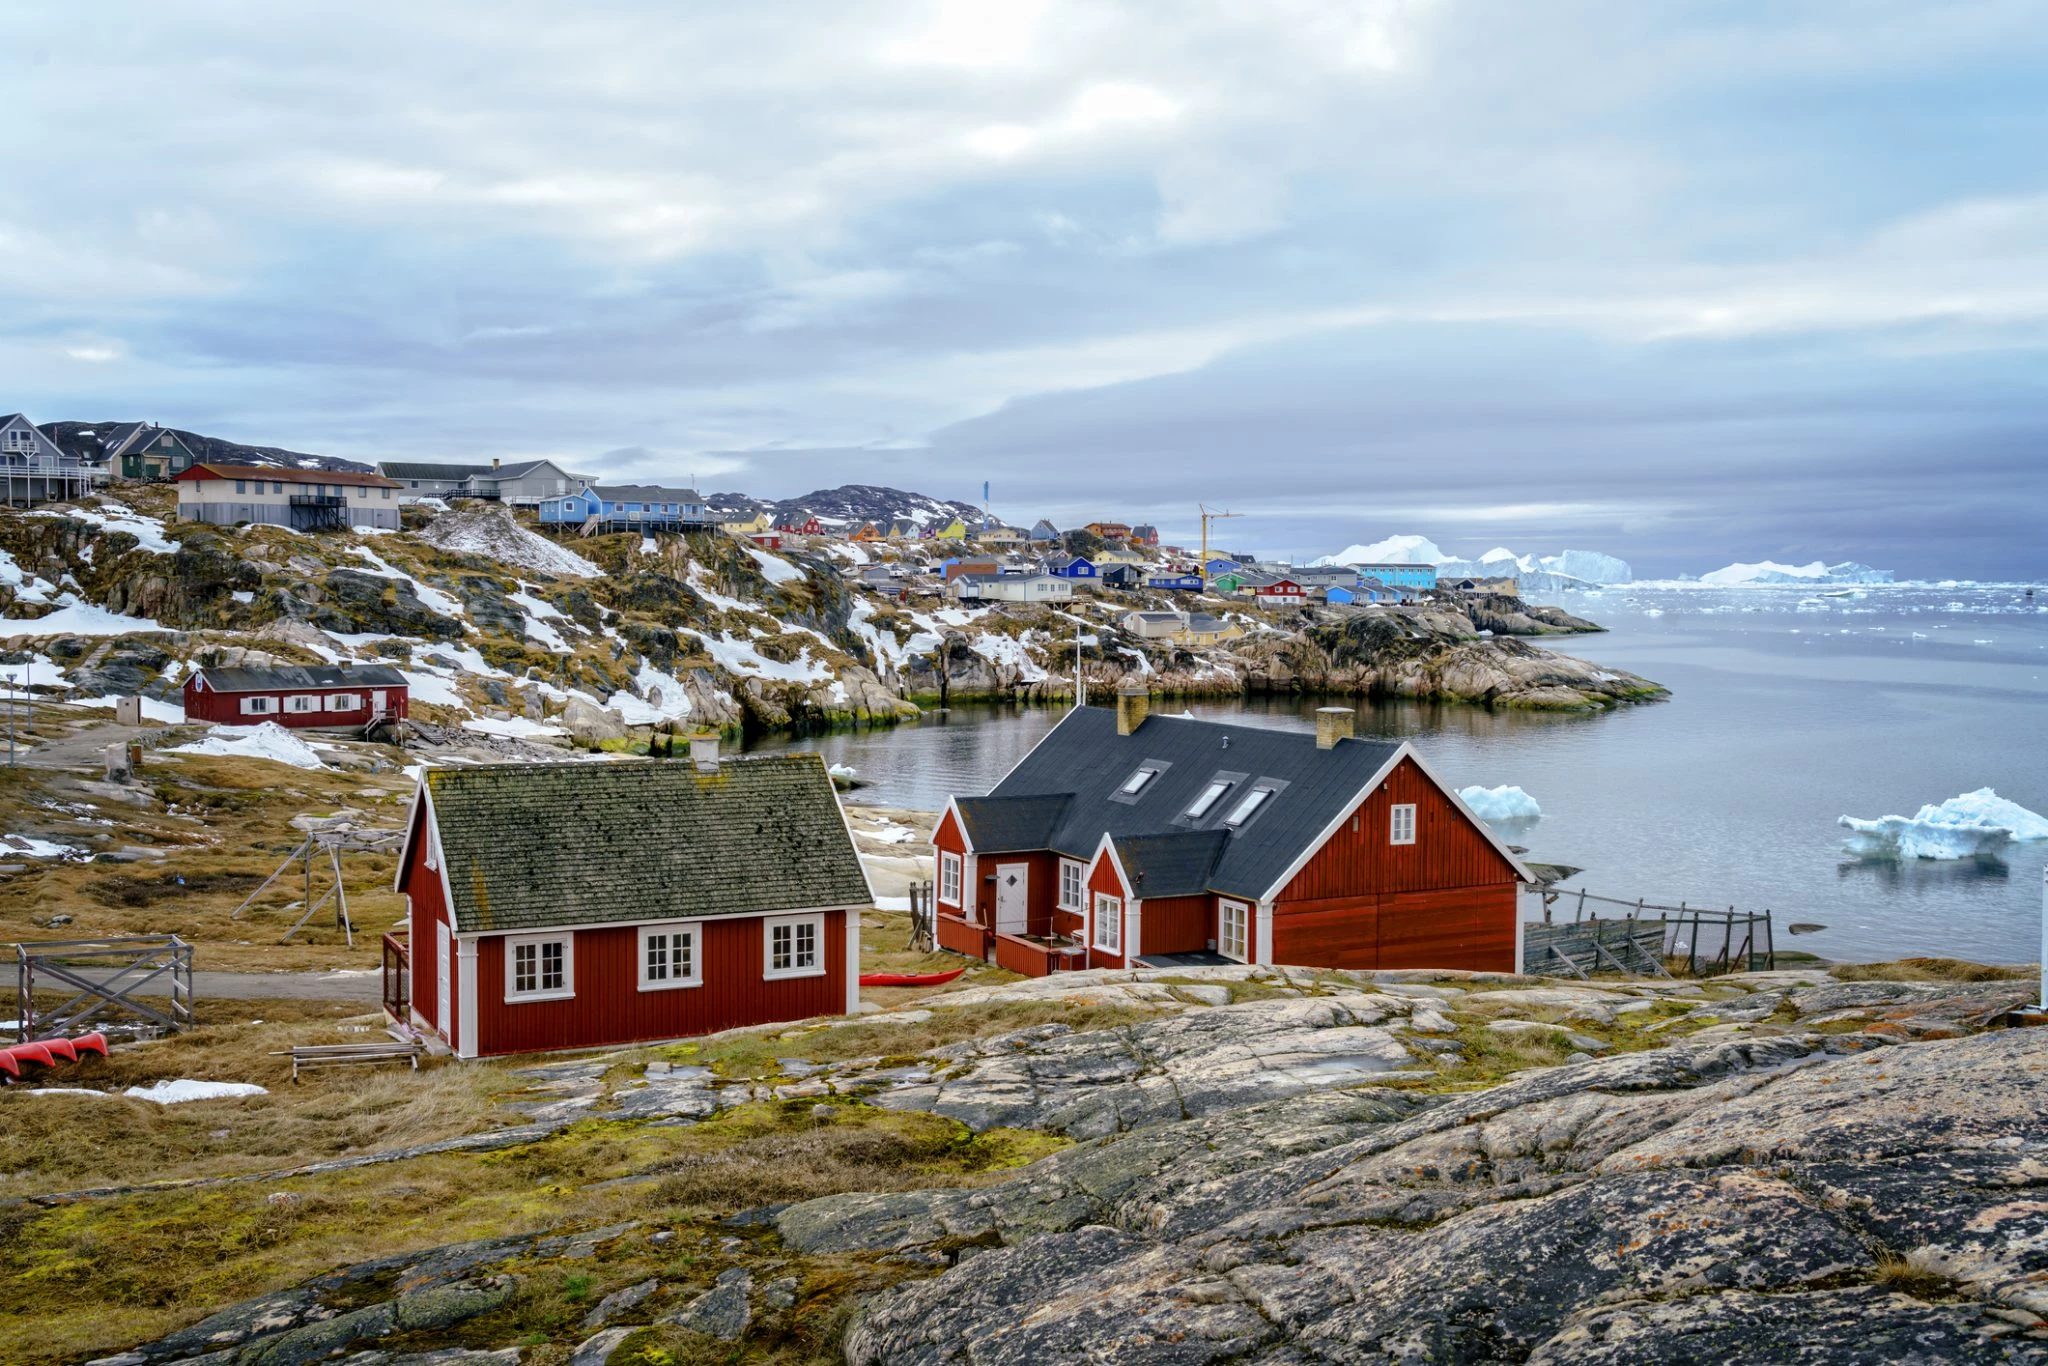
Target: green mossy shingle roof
{"x":530,"y":846}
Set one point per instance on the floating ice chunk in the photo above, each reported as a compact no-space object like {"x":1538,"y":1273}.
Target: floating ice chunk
{"x":266,"y":741}
{"x":1980,"y":822}
{"x":180,"y":1091}
{"x":1500,"y":803}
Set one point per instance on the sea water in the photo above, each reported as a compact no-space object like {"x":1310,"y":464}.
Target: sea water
{"x":1790,"y":707}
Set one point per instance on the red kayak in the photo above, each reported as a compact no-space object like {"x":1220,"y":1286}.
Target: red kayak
{"x":909,"y":979}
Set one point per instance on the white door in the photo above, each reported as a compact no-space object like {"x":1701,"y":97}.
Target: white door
{"x":377,"y":702}
{"x":1013,"y":891}
{"x":444,"y":971}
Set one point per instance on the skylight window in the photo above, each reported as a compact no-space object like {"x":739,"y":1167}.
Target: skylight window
{"x":1135,"y":784}
{"x":1245,"y":809}
{"x":1205,"y":803}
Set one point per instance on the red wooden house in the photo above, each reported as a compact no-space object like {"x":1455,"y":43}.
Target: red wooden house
{"x":802,"y":526}
{"x":1279,"y":593}
{"x":574,"y":905}
{"x":1124,"y":837}
{"x":301,"y":697}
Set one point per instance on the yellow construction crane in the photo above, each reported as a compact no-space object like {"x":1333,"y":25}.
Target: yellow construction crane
{"x":1208,"y":517}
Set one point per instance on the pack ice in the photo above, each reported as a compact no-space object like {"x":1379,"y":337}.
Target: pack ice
{"x":1980,"y":822}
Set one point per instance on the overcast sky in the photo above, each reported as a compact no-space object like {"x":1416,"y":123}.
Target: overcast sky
{"x":1685,"y":282}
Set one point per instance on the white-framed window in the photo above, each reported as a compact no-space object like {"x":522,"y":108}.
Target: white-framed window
{"x":299,"y":702}
{"x":671,"y":956}
{"x":1070,"y":885}
{"x":258,"y":706}
{"x":540,"y":967}
{"x":793,"y":946}
{"x":19,"y":439}
{"x":949,"y":878}
{"x":1109,"y":923}
{"x":344,"y":701}
{"x":1233,"y":922}
{"x":1402,"y":829}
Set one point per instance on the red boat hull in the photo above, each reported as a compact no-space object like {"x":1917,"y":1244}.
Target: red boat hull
{"x":909,"y":979}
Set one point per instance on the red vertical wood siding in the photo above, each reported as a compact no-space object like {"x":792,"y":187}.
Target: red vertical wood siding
{"x":1102,"y":878}
{"x":1176,"y":924}
{"x":610,"y":1008}
{"x":957,"y":936}
{"x":426,"y":908}
{"x":205,"y":704}
{"x":1446,"y":901}
{"x":1448,"y":850}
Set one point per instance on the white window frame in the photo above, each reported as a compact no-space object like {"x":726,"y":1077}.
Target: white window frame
{"x":769,"y":924}
{"x":1240,"y":912}
{"x":514,"y":942}
{"x":259,"y":706}
{"x":1109,"y":923}
{"x":299,"y":704}
{"x":950,"y":870}
{"x":671,"y":982}
{"x":1401,"y":824}
{"x":1075,"y":899}
{"x":344,"y":701}
{"x":1211,"y":796}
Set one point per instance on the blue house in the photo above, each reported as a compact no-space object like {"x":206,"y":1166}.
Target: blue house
{"x":1176,"y":583}
{"x":1071,"y":567}
{"x":628,"y":507}
{"x":1418,"y":576}
{"x":1378,"y":590}
{"x":1221,"y":565}
{"x":1045,"y":531}
{"x":1337,"y":592}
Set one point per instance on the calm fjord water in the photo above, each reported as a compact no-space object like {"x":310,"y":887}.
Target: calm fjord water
{"x":1789,"y":708}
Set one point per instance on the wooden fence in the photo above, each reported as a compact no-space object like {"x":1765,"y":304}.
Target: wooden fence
{"x":1710,"y":941}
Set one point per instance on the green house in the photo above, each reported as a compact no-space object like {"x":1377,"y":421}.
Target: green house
{"x":139,"y":450}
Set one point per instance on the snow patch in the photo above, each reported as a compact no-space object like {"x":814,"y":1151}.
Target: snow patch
{"x":433,"y":598}
{"x":492,"y":534}
{"x":180,"y":1091}
{"x":113,"y":517}
{"x":153,"y":708}
{"x":77,"y":618}
{"x":740,"y":657}
{"x":773,"y":568}
{"x":517,"y":727}
{"x":268,"y":740}
{"x":36,"y":848}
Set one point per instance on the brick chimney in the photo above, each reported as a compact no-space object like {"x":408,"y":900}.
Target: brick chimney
{"x":704,"y":752}
{"x":494,"y":462}
{"x":1133,"y":705}
{"x":1334,"y":724}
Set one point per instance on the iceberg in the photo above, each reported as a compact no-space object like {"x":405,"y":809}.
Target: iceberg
{"x":1500,"y":804}
{"x":1393,"y":550}
{"x":1976,"y":823}
{"x":1770,"y":571}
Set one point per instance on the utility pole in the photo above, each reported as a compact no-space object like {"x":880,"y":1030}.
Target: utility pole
{"x":1208,"y":517}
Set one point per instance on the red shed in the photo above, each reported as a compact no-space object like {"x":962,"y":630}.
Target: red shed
{"x":298,"y":696}
{"x":1125,"y":836}
{"x":576,"y":905}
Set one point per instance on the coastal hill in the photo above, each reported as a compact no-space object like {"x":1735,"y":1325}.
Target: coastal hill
{"x":510,"y":638}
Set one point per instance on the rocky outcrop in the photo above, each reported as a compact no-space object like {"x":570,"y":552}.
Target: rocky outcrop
{"x":1588,"y":1213}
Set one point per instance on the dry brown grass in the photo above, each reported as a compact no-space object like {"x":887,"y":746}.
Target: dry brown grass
{"x":58,"y":1143}
{"x":222,"y":825}
{"x":1931,"y":970}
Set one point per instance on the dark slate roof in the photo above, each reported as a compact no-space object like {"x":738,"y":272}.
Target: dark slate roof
{"x":1007,"y":825}
{"x":287,"y":677}
{"x":530,"y":846}
{"x":1084,"y":759}
{"x":1170,"y":865}
{"x":406,"y":469}
{"x":645,"y":493}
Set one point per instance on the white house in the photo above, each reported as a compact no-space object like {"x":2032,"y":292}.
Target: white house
{"x":277,"y":495}
{"x":1012,"y":588}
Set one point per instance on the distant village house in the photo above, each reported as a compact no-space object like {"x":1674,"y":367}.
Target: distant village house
{"x":323,"y":697}
{"x":279,"y":495}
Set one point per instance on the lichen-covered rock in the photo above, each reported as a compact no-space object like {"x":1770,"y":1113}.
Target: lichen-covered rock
{"x":1594,"y":1212}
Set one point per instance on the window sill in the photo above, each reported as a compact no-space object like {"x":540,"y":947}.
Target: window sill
{"x":672,"y":986}
{"x":787,"y":973}
{"x":527,"y":998}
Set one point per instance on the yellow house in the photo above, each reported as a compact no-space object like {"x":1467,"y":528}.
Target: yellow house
{"x":1112,"y":554}
{"x":760,"y":521}
{"x":955,"y":530}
